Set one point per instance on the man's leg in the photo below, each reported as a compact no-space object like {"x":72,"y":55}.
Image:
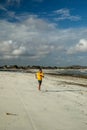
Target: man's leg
{"x":39,"y":87}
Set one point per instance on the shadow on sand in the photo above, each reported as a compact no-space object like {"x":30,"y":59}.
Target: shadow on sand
{"x":69,"y":90}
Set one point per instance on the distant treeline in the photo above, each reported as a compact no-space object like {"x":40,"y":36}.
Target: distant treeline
{"x":43,"y":67}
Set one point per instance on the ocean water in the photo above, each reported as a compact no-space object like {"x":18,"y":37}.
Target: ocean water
{"x":70,"y":72}
{"x":73,"y":72}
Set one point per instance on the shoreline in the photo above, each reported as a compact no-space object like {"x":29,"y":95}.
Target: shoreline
{"x":75,"y":79}
{"x":50,"y":72}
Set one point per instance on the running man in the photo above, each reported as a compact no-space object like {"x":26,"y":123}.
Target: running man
{"x":39,"y":76}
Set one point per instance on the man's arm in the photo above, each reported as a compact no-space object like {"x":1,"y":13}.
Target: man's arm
{"x":36,"y":76}
{"x":43,"y":75}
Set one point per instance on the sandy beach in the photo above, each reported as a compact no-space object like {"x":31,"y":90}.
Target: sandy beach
{"x":60,"y":105}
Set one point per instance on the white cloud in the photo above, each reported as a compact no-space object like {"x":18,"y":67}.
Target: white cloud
{"x":27,"y":38}
{"x":21,"y":50}
{"x":6,"y":46}
{"x":36,"y":40}
{"x":32,"y":38}
{"x":64,"y":14}
{"x":80,"y":47}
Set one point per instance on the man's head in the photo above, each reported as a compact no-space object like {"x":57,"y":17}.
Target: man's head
{"x":40,"y":69}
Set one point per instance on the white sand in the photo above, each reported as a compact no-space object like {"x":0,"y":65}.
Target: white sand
{"x":23,"y":107}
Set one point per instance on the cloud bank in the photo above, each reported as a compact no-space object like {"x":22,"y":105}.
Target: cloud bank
{"x":35,"y":39}
{"x":32,"y":39}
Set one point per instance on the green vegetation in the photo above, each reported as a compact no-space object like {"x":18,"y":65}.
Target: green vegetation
{"x":43,"y":67}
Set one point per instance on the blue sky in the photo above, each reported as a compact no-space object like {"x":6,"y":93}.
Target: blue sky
{"x":43,"y":32}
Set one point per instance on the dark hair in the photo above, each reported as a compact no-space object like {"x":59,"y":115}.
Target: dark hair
{"x":40,"y":69}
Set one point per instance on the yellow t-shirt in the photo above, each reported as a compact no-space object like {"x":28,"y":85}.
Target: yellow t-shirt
{"x":40,"y":75}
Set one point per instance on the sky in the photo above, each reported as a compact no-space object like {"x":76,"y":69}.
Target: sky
{"x":43,"y":32}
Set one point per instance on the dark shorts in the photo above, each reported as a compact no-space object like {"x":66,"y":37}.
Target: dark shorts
{"x":39,"y":81}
